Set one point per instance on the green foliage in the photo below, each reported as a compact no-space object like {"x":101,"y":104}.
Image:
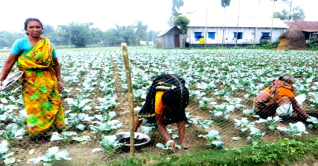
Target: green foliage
{"x":4,"y":147}
{"x":110,"y":144}
{"x":79,"y":33}
{"x":167,"y":147}
{"x":182,"y":22}
{"x":265,"y":44}
{"x":83,"y":35}
{"x":284,"y":152}
{"x":176,"y":4}
{"x":64,"y":136}
{"x":312,"y":43}
{"x":297,"y":14}
{"x":52,"y":156}
{"x":8,"y":38}
{"x":214,"y":140}
{"x":12,"y":132}
{"x":225,"y":3}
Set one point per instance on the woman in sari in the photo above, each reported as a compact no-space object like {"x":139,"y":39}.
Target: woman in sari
{"x":42,"y":84}
{"x":279,"y":99}
{"x":165,"y":104}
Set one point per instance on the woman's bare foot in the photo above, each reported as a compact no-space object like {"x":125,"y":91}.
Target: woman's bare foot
{"x":185,"y":145}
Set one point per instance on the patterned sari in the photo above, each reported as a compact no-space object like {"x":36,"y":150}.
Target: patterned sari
{"x":277,"y":90}
{"x":40,"y":92}
{"x":167,"y":90}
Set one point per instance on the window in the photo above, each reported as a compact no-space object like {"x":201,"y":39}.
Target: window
{"x":239,"y":36}
{"x":211,"y":35}
{"x":198,"y":35}
{"x":265,"y":35}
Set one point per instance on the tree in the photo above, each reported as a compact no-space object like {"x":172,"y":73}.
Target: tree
{"x":176,"y":4}
{"x":126,"y":34}
{"x":96,"y":36}
{"x":224,"y":4}
{"x":48,"y":29}
{"x":141,"y":32}
{"x":282,"y":16}
{"x":182,"y":22}
{"x":294,"y":14}
{"x":111,"y":37}
{"x":78,"y":34}
{"x":298,"y":14}
{"x":8,"y":38}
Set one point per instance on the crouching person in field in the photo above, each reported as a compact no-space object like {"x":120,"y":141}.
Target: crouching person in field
{"x":165,"y":104}
{"x":279,"y":99}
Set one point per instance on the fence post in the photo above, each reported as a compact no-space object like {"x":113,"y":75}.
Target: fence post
{"x":130,"y":99}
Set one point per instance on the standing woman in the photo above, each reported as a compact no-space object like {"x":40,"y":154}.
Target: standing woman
{"x":42,"y":84}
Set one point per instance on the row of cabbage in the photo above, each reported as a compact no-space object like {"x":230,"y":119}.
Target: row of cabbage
{"x":89,"y":102}
{"x":225,"y":75}
{"x":90,"y":88}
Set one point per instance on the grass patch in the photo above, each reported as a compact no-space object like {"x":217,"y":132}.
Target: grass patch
{"x":283,"y":152}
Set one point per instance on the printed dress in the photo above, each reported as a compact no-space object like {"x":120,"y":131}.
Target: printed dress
{"x":40,"y":92}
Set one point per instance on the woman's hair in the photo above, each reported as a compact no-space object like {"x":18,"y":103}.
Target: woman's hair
{"x":286,"y":77}
{"x":31,"y":19}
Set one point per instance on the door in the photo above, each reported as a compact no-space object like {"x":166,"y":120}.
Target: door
{"x":177,"y":41}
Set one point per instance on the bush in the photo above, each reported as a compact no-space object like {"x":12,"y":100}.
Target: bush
{"x":265,"y":44}
{"x":312,"y":43}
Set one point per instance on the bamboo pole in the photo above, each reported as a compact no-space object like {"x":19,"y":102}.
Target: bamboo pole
{"x":130,"y":99}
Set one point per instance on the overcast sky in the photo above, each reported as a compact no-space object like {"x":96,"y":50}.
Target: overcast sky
{"x":154,"y":13}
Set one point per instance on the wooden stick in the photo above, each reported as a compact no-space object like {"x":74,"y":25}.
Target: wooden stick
{"x":130,"y":99}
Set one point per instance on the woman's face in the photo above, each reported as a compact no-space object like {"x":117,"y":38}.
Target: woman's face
{"x":34,"y":29}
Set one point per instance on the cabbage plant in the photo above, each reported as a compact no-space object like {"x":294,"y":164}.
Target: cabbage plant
{"x":4,"y":147}
{"x":294,"y":129}
{"x":52,"y":156}
{"x":12,"y":132}
{"x":255,"y":135}
{"x":243,"y":123}
{"x":214,"y":139}
{"x":313,"y":121}
{"x":107,"y":127}
{"x":109,"y":144}
{"x":64,"y":136}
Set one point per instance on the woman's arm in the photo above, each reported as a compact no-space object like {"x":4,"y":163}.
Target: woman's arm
{"x":7,"y":66}
{"x":298,"y":108}
{"x":163,"y":130}
{"x":57,"y":70}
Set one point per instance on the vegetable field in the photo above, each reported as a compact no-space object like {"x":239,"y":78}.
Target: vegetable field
{"x":222,"y":85}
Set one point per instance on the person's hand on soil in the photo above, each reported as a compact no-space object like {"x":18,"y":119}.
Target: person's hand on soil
{"x":172,"y":145}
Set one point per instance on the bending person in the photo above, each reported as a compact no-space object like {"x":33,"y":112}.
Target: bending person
{"x":165,"y":104}
{"x":36,"y":57}
{"x":279,"y":99}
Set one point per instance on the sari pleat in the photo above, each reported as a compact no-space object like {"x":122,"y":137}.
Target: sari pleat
{"x":40,"y":92}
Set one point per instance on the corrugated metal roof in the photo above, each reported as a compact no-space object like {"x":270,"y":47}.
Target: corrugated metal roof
{"x":243,"y":22}
{"x":164,"y":32}
{"x":308,"y":26}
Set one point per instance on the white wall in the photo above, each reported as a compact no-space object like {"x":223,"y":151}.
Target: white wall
{"x":248,"y":35}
